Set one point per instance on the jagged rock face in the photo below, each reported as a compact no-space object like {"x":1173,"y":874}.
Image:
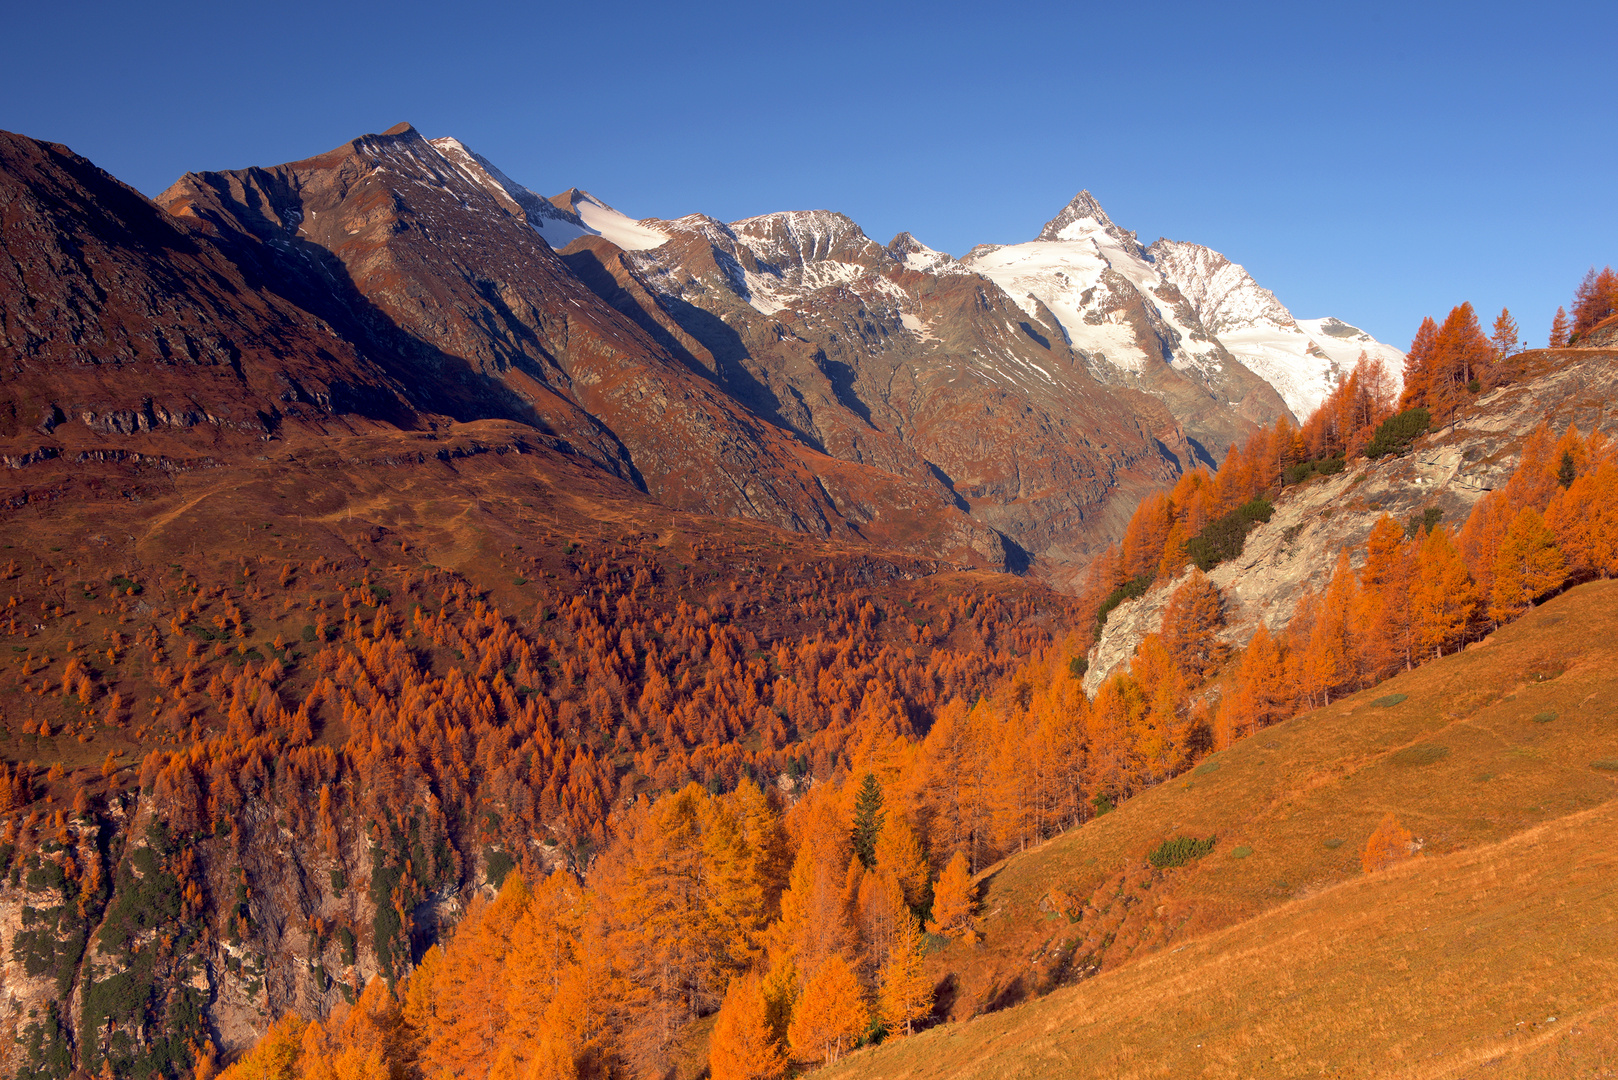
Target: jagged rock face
{"x":1303,"y":359}
{"x":1604,"y":336}
{"x":117,"y":318}
{"x":1296,"y":551}
{"x":1131,"y":324}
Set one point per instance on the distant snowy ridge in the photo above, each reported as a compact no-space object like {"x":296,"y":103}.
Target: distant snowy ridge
{"x":582,"y":215}
{"x":1304,"y":359}
{"x":1096,"y":279}
{"x":1122,"y":305}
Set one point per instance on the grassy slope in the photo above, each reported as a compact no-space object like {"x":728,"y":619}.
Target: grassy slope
{"x":1516,"y":881}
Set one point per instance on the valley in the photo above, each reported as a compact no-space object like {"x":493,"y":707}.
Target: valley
{"x":455,"y":632}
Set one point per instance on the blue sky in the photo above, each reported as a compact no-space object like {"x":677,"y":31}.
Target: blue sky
{"x":1377,"y":162}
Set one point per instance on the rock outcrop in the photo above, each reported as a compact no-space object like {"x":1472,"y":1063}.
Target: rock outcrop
{"x":1449,"y":469}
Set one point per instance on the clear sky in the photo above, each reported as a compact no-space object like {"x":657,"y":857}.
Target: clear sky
{"x":1372,"y":161}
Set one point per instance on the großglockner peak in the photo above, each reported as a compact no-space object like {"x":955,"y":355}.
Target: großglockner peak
{"x":1123,"y":304}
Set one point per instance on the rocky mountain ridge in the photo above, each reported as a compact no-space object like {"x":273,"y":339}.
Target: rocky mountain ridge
{"x":785,"y":368}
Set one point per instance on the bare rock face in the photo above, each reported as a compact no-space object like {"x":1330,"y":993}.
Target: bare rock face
{"x":1603,"y":336}
{"x":119,"y":319}
{"x":1296,"y":551}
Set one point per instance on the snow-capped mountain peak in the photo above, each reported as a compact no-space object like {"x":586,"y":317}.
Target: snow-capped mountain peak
{"x":1080,"y":217}
{"x":914,"y":255}
{"x":1304,"y":359}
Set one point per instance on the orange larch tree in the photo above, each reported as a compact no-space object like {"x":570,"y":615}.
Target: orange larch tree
{"x":831,"y":1016}
{"x":742,"y":1046}
{"x":1595,"y":301}
{"x":1391,"y":843}
{"x":1559,"y":330}
{"x":1528,"y":565}
{"x":1506,"y":339}
{"x":954,"y":901}
{"x":1191,"y":622}
{"x":1444,"y":597}
{"x":1418,"y":365}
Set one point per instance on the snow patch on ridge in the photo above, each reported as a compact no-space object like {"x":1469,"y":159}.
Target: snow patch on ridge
{"x":621,"y":229}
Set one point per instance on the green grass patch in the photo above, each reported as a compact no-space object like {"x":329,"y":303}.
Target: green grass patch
{"x":1242,"y":852}
{"x":1335,"y":842}
{"x":1179,"y":851}
{"x":1545,"y":717}
{"x":1205,"y":768}
{"x":1390,"y":701}
{"x":1425,"y":754}
{"x":1605,"y":764}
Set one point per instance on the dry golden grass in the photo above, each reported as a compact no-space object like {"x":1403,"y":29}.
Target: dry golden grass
{"x":1461,"y":760}
{"x":1500,"y":955}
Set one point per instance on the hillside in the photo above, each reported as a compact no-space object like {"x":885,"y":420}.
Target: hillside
{"x":531,"y":632}
{"x":1501,"y":762}
{"x":1448,"y":470}
{"x":271,"y":722}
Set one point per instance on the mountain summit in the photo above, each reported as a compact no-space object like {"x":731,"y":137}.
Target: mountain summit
{"x":1083,"y":207}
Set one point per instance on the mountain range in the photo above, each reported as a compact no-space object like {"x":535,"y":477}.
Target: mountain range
{"x":1006,"y":409}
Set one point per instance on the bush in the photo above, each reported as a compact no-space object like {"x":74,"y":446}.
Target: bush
{"x":1224,"y":537}
{"x":1179,"y":851}
{"x":497,"y":865}
{"x":1423,"y":523}
{"x":1303,"y":470}
{"x":1425,"y":754}
{"x":1077,"y":666}
{"x":1129,"y":590}
{"x":1389,"y":701}
{"x":124,"y":586}
{"x":1395,"y":434}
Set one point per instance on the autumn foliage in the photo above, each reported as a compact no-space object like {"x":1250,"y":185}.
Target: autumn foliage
{"x":1391,"y":843}
{"x":757,"y":829}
